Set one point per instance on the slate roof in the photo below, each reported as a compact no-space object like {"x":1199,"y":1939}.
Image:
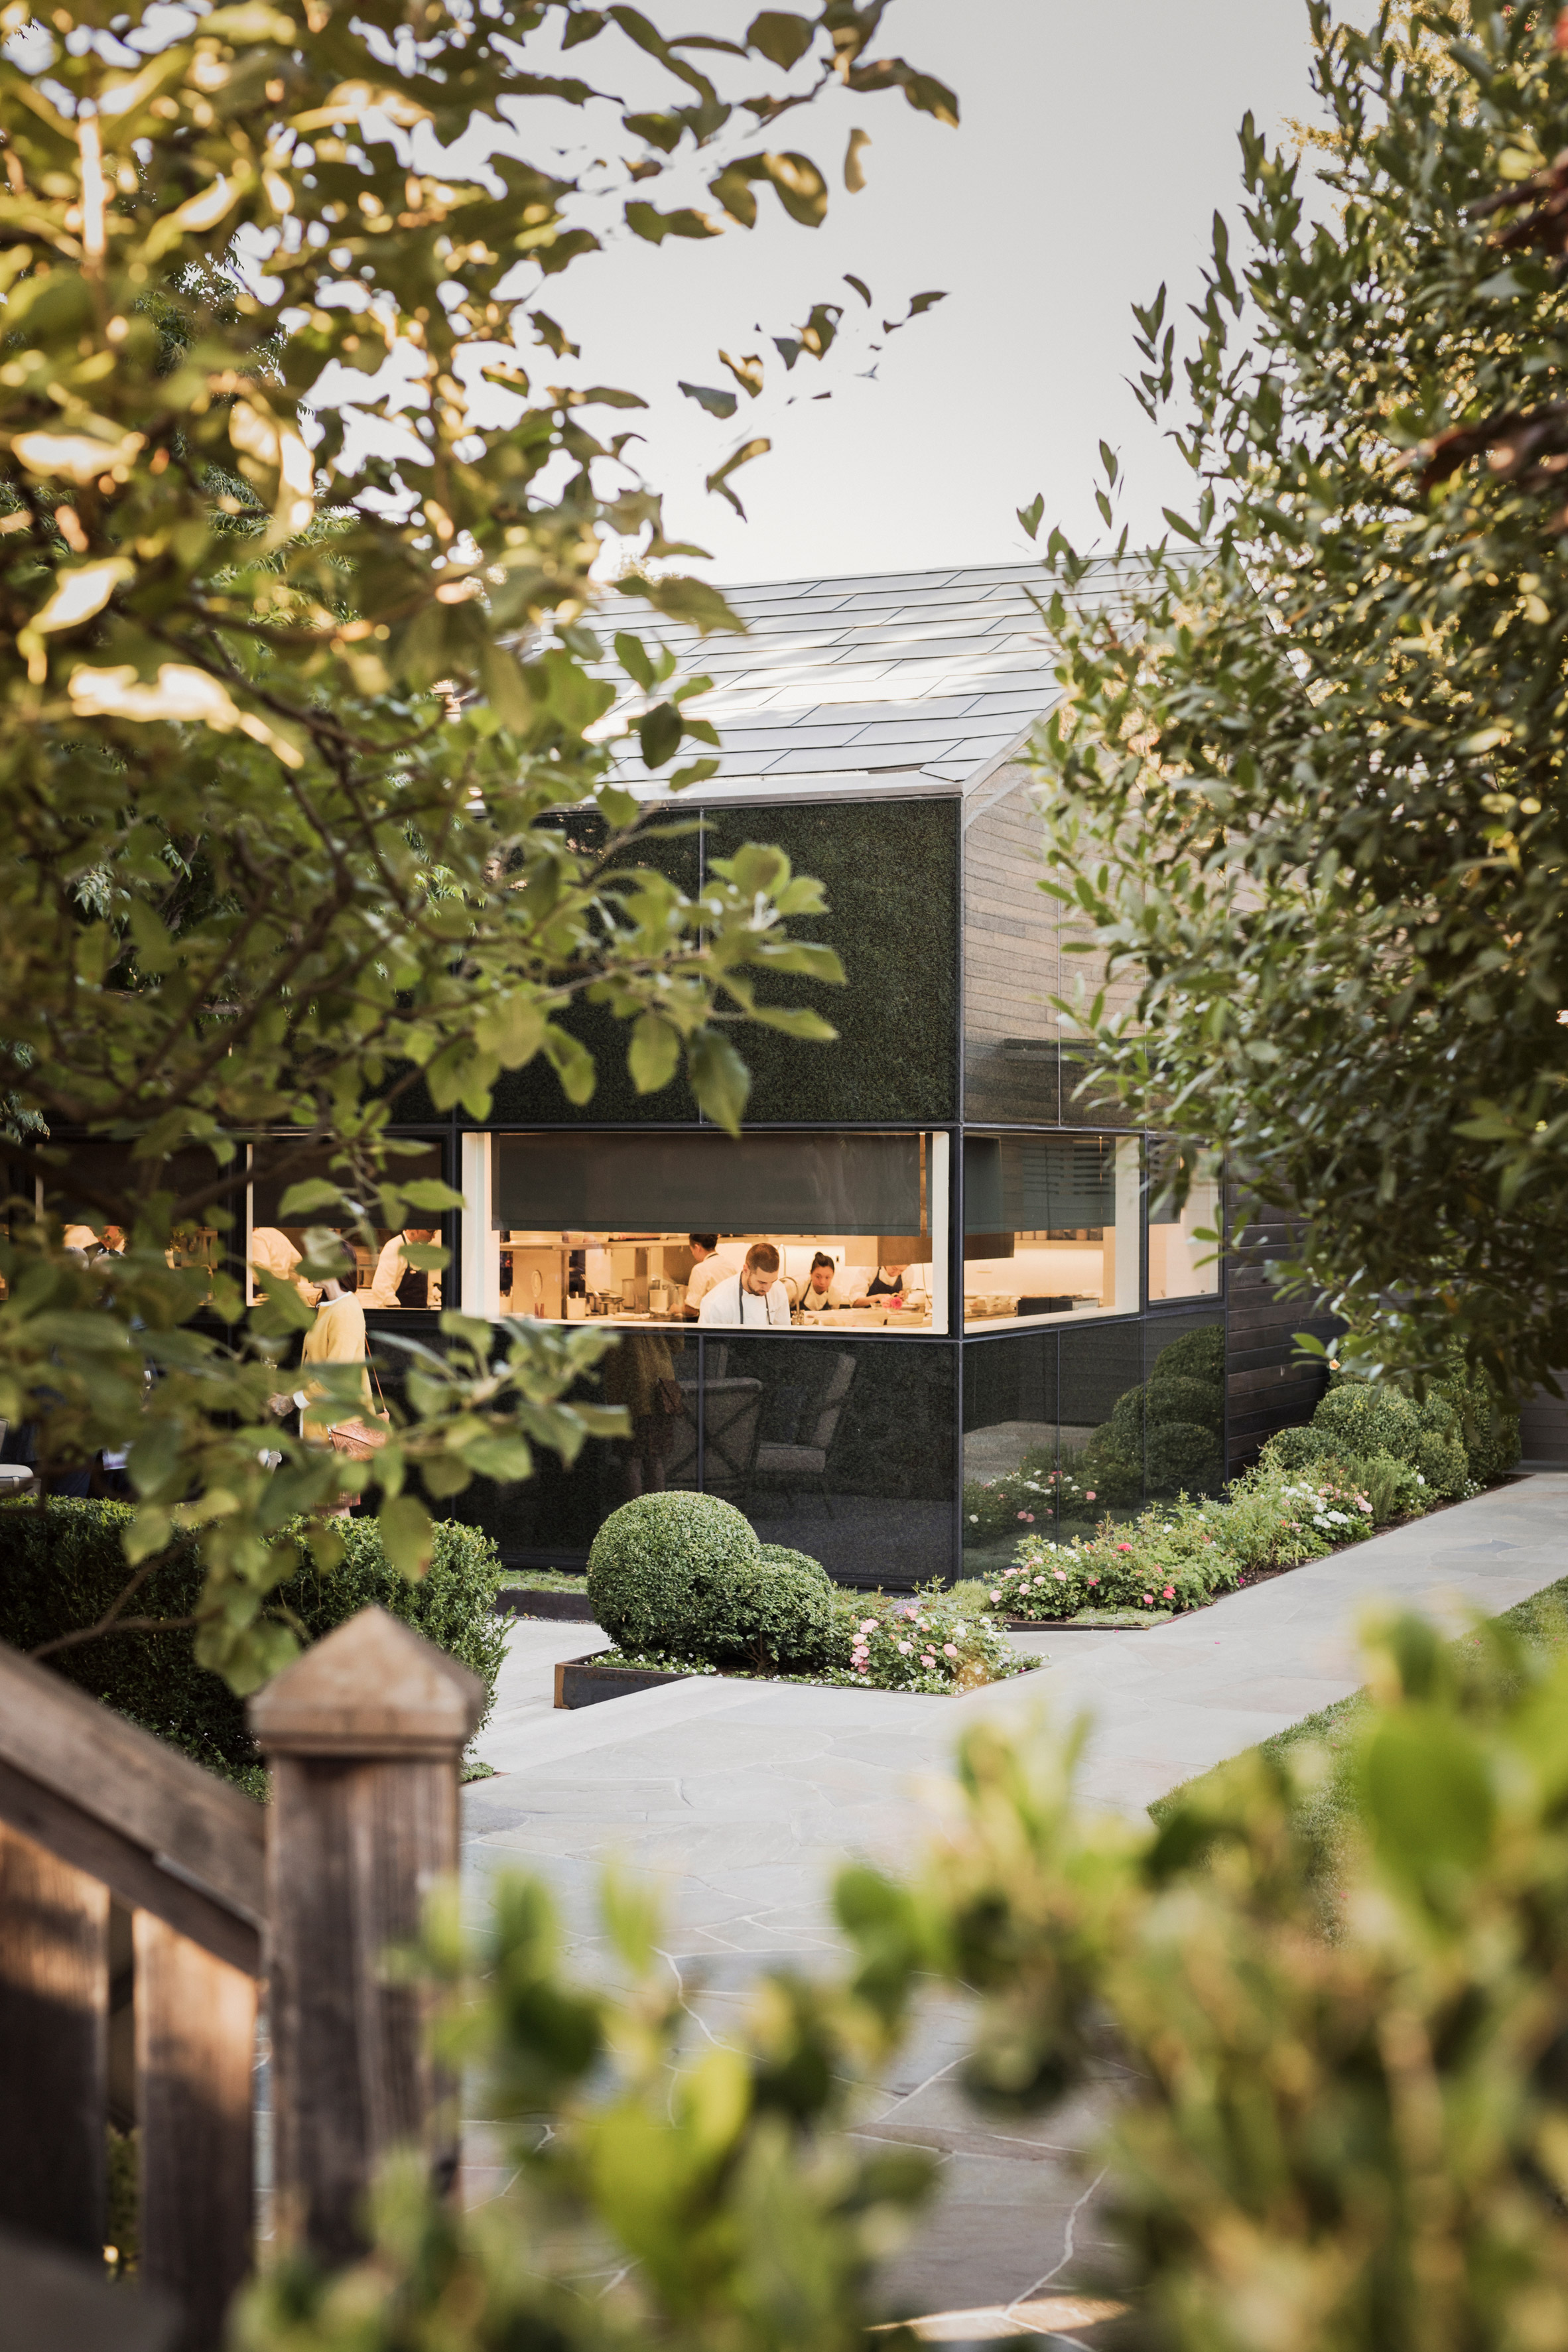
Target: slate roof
{"x":899,"y":683}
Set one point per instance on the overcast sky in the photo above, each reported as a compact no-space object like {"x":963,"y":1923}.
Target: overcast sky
{"x":1096,"y":143}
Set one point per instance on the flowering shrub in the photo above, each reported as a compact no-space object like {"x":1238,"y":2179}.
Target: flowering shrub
{"x":921,"y":1642}
{"x":1178,"y":1555}
{"x":1021,"y":1498}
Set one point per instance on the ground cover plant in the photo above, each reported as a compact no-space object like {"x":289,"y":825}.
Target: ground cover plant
{"x":1371,"y":1456}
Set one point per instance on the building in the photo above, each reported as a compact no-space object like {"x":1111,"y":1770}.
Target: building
{"x":871,"y":727}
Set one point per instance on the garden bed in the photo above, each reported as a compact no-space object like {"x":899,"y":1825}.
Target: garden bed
{"x":587,"y":1682}
{"x":535,"y":1600}
{"x":615,"y":1673}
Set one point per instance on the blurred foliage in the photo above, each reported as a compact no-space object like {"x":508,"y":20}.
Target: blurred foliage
{"x":299,"y":563}
{"x":1344,"y":2119}
{"x":659,"y":2198}
{"x":1309,"y":784}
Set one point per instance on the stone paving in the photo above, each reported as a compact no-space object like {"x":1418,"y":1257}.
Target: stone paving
{"x":741,"y":1800}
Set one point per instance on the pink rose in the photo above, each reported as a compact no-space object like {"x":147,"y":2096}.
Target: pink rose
{"x":1148,"y":1601}
{"x":1060,"y":1574}
{"x":867,"y":1624}
{"x":1090,"y":1497}
{"x":1094,"y":1579}
{"x":1169,"y":1592}
{"x":995,"y":1596}
{"x":905,"y":1648}
{"x":928,"y":1660}
{"x":1123,"y":1546}
{"x":1028,"y":1515}
{"x":950,"y":1649}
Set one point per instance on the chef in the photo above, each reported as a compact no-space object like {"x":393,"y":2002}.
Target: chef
{"x":398,"y":1284}
{"x":889,"y":1286}
{"x":707,"y":1268}
{"x":273,"y":1253}
{"x":821,"y":1292}
{"x":753,"y":1296}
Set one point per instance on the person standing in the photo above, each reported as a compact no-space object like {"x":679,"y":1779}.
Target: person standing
{"x":398,"y":1284}
{"x":753,"y":1296}
{"x":822,"y":1291}
{"x":707,"y":1268}
{"x":272,"y":1252}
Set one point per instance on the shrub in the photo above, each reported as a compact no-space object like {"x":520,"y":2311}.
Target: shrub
{"x":656,"y":1560}
{"x":774,"y":1614}
{"x":62,"y":1569}
{"x":780,"y":1556}
{"x":1196,"y":1356}
{"x":1182,"y":1458}
{"x":933,"y":1642}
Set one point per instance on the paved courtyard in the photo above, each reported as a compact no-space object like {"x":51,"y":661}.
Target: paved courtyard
{"x":739,"y":1800}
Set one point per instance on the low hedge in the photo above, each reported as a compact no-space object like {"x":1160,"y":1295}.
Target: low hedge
{"x":62,"y":1567}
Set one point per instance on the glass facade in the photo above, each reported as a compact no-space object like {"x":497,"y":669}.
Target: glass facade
{"x":1051,"y":1227}
{"x":846,"y":1230}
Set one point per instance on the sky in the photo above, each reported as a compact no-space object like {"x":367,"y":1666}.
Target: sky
{"x":1094,"y":144}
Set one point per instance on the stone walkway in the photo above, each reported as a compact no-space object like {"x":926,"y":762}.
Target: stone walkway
{"x":741,"y":1801}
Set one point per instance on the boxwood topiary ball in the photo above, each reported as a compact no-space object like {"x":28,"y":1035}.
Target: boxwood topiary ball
{"x":780,"y":1556}
{"x":772,"y":1614}
{"x":657,"y":1562}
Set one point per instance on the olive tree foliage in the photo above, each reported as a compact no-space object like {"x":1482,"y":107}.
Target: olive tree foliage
{"x":1310,"y":783}
{"x":303,"y":662}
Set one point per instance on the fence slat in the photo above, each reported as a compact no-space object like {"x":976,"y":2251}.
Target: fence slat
{"x":365,"y":1735}
{"x":53,"y":2018}
{"x":195,"y":2033}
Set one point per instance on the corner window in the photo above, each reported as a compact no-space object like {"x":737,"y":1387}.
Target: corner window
{"x":1179,"y":1264}
{"x":808,"y":1232}
{"x":383,"y":1279}
{"x":1050,"y":1227}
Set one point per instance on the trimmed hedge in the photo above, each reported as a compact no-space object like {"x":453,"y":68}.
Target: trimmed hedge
{"x":63,"y":1567}
{"x":683,"y":1576}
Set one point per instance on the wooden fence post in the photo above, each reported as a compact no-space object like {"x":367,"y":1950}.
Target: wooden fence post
{"x":54,"y":2042}
{"x":365,"y":1735}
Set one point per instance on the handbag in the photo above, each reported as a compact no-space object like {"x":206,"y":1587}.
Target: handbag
{"x":356,"y":1437}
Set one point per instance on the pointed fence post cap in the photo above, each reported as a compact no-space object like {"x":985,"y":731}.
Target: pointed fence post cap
{"x":374,"y":1687}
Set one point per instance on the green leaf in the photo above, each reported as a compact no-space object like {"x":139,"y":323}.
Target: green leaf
{"x":428,"y":1192}
{"x":1029,"y":516}
{"x":655,"y":1054}
{"x":633,"y":656}
{"x":780,"y":37}
{"x":658,"y":732}
{"x":743,"y":455}
{"x":855,"y":180}
{"x":407,"y":1535}
{"x":303,"y":1201}
{"x":720,"y":1079}
{"x":717,"y":404}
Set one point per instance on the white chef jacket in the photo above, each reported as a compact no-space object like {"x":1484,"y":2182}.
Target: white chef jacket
{"x":389,"y":1268}
{"x":716,"y":1268}
{"x":817,"y":1302}
{"x":728,"y":1303}
{"x":274,"y":1253}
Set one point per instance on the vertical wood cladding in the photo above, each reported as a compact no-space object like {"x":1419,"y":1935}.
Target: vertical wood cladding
{"x":1269,"y":1388}
{"x":1543,"y":1426}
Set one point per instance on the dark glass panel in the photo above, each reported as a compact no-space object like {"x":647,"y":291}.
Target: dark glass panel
{"x":1100,"y":1469}
{"x":760,"y":1183}
{"x":1183,"y":1403}
{"x":891,"y":872}
{"x":1031,"y":1183}
{"x":846,"y":1452}
{"x":550,"y":1519}
{"x":1009,"y":1446}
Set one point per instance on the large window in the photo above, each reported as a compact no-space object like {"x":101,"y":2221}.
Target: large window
{"x":658,"y":1229}
{"x":1181,"y":1265}
{"x":383,"y":1279}
{"x":1050,"y":1227}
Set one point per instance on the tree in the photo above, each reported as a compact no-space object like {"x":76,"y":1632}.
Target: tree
{"x":298,"y":565}
{"x":1310,"y":783}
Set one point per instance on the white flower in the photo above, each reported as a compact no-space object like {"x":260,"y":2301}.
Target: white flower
{"x":974,"y":1518}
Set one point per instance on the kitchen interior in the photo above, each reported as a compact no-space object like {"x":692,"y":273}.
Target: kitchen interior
{"x":641,"y":1277}
{"x":1057,"y":1271}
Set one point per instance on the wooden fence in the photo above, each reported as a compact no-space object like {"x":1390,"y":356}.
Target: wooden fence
{"x":294,"y":1904}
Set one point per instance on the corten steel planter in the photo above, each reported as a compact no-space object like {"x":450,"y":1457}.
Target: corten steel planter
{"x":584,"y":1682}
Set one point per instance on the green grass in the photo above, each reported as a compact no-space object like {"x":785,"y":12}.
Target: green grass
{"x":543,"y":1579}
{"x":1541,"y":1624}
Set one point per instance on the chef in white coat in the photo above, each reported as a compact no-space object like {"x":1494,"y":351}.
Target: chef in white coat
{"x":398,"y":1284}
{"x":753,"y":1296}
{"x":707,"y":1268}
